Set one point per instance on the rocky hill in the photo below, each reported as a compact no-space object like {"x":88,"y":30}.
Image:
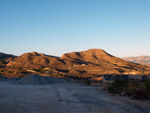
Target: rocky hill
{"x":97,"y":61}
{"x":36,"y":60}
{"x":139,"y":59}
{"x":84,"y":63}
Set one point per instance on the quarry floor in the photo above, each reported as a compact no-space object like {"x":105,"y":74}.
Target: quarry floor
{"x":64,"y":97}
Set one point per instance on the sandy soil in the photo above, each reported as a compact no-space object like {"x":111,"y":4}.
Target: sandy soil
{"x":63,"y":97}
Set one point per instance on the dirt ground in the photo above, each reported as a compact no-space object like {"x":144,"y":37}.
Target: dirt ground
{"x":64,"y":97}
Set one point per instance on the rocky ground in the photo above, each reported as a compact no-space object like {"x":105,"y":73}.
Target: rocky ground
{"x":60,"y":96}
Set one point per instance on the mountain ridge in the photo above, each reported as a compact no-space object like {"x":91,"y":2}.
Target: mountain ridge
{"x":142,"y":59}
{"x":88,"y":63}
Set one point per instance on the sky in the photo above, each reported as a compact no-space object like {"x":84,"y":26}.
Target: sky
{"x":55,"y":27}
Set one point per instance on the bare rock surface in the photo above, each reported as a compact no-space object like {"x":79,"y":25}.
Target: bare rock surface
{"x":62,"y":97}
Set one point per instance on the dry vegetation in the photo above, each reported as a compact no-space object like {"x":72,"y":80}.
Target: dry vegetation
{"x":134,"y":89}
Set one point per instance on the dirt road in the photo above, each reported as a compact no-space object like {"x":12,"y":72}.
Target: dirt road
{"x":63,"y":97}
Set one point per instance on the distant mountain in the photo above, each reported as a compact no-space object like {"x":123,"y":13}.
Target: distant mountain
{"x":139,"y":59}
{"x":87,"y":63}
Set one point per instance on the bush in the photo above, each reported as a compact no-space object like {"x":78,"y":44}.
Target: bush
{"x":1,"y":71}
{"x":118,"y":86}
{"x":59,"y":75}
{"x":1,"y":75}
{"x":147,"y":89}
{"x":41,"y":71}
{"x":135,"y":89}
{"x":20,"y":68}
{"x":139,"y":91}
{"x":10,"y":71}
{"x":88,"y":82}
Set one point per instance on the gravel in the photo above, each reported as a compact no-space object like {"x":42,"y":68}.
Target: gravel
{"x":35,"y":79}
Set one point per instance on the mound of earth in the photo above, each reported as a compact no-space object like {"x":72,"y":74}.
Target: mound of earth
{"x":34,"y":79}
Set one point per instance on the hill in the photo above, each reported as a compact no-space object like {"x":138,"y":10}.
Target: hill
{"x":139,"y":59}
{"x":97,"y":61}
{"x":4,"y":56}
{"x":85,"y":63}
{"x":36,"y":60}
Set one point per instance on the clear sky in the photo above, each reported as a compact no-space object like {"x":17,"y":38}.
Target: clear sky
{"x":54,"y":27}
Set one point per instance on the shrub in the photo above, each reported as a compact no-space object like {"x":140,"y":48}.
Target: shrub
{"x":139,"y":91}
{"x":1,"y":71}
{"x":87,"y":81}
{"x":10,"y":71}
{"x":20,"y":68}
{"x":147,"y":89}
{"x":118,"y":86}
{"x":0,"y":75}
{"x":61,"y":74}
{"x":41,"y":71}
{"x":58,"y":74}
{"x":134,"y":90}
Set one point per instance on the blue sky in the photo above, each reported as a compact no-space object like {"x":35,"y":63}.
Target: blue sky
{"x":120,"y":27}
